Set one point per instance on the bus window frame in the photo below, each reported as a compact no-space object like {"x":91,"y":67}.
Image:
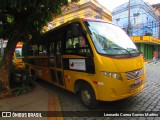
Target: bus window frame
{"x":81,"y":32}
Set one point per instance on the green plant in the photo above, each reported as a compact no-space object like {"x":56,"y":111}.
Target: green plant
{"x":21,"y":82}
{"x":24,"y":88}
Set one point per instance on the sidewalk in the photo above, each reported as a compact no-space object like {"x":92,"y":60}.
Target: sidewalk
{"x":38,"y":100}
{"x":150,"y":61}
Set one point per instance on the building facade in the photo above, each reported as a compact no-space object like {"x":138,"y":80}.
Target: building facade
{"x":83,"y":9}
{"x":3,"y":44}
{"x":140,"y":21}
{"x":156,"y":8}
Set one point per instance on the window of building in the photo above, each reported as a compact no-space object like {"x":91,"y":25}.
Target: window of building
{"x":98,"y":16}
{"x":147,"y":20}
{"x":117,"y":20}
{"x":134,"y":20}
{"x":88,"y":14}
{"x":155,"y":27}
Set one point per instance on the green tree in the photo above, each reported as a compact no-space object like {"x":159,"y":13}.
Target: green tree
{"x":20,"y":19}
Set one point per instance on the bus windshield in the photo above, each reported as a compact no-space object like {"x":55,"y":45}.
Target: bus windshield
{"x":111,"y":40}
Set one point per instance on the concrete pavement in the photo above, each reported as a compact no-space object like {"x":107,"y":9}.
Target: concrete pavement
{"x":38,"y":100}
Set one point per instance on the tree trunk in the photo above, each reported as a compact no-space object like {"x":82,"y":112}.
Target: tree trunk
{"x":7,"y":62}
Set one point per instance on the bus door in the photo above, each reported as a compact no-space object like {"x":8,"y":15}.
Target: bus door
{"x":56,"y":66}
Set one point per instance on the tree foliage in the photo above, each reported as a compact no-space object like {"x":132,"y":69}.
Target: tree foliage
{"x":20,"y":19}
{"x":27,"y":16}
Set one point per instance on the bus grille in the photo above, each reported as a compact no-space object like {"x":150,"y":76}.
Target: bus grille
{"x":134,"y":74}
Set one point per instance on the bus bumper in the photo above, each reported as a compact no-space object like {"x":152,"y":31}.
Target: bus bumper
{"x":115,"y":90}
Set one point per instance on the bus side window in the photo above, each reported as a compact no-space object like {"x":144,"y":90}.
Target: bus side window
{"x":52,"y":54}
{"x":77,"y":44}
{"x":42,"y":50}
{"x":30,"y":50}
{"x":59,"y":40}
{"x":69,"y":44}
{"x":51,"y":50}
{"x":35,"y":50}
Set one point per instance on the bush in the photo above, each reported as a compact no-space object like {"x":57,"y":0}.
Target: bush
{"x":20,"y":81}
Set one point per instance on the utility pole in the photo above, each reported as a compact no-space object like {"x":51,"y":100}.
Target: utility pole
{"x":128,"y":29}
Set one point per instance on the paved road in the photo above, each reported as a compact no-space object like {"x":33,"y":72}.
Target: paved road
{"x":147,"y":100}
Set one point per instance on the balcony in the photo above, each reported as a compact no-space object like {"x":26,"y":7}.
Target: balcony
{"x":148,"y":31}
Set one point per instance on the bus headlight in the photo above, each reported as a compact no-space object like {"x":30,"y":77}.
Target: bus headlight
{"x":112,"y":75}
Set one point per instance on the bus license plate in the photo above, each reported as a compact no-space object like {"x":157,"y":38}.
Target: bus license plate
{"x":138,"y":80}
{"x":137,"y":84}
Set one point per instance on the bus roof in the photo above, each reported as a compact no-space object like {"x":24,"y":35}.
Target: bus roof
{"x":77,"y":20}
{"x":48,"y":33}
{"x":19,"y":45}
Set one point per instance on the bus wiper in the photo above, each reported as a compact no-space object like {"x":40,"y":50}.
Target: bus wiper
{"x":135,"y":50}
{"x":123,"y":49}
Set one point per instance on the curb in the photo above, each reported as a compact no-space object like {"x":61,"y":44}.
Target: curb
{"x":151,"y":61}
{"x":54,"y":105}
{"x":146,"y":62}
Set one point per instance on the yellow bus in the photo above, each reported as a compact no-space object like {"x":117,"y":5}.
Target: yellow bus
{"x":17,"y":58}
{"x":90,"y":57}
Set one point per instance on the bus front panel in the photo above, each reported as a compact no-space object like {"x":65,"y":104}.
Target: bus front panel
{"x":119,"y":78}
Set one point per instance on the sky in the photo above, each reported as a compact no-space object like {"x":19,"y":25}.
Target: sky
{"x":110,"y":4}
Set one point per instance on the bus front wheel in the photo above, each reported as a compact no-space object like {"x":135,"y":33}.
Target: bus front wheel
{"x":87,"y":96}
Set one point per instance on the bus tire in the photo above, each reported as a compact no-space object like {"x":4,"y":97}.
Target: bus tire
{"x":87,"y":96}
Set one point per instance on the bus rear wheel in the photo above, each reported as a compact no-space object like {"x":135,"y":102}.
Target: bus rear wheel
{"x":87,"y":96}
